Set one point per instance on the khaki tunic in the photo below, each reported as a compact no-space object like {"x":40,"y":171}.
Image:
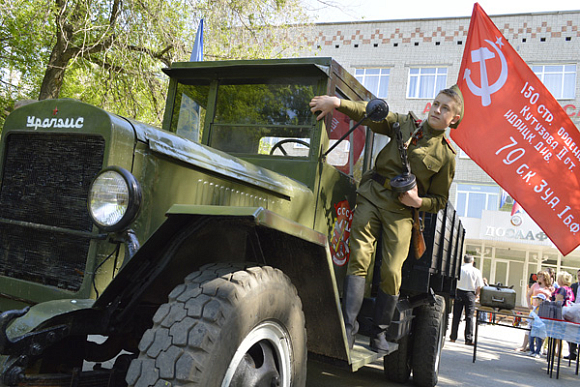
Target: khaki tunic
{"x":378,"y":209}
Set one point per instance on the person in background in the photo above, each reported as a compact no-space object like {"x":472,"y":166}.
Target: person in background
{"x":542,"y":285}
{"x":468,"y":288}
{"x":538,"y":329}
{"x":555,"y":284}
{"x":573,"y":347}
{"x":576,"y":287}
{"x":564,"y":292}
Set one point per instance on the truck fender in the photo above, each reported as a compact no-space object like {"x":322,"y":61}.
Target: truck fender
{"x":300,"y":252}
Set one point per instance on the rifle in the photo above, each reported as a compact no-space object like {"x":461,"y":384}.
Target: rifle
{"x":403,"y":183}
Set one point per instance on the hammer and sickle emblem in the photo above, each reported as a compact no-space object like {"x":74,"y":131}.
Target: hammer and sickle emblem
{"x":486,"y":90}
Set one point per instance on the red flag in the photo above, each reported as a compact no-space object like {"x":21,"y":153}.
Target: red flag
{"x":518,"y":133}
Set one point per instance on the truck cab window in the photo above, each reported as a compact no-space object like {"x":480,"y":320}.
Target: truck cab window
{"x":189,"y":111}
{"x":347,"y":157}
{"x":264,"y":118}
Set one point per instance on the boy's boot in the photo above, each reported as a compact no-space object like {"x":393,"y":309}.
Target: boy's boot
{"x":353,"y":295}
{"x":385,"y":305}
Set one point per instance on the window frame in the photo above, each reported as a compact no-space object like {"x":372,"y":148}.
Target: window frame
{"x":216,"y":124}
{"x":543,"y":73}
{"x":349,"y":167}
{"x":420,"y":76}
{"x":467,"y":189}
{"x":381,"y":76}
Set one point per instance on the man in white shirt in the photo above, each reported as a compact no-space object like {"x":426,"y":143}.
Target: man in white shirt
{"x":576,"y":288}
{"x":468,"y":288}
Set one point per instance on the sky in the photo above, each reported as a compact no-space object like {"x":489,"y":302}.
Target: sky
{"x":364,"y":10}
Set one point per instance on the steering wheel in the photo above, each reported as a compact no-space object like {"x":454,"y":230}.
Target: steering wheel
{"x":282,"y":142}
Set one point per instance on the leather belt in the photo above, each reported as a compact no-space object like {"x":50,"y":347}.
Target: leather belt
{"x":382,"y":180}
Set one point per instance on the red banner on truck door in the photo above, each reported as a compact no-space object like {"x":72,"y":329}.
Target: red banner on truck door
{"x":518,"y":133}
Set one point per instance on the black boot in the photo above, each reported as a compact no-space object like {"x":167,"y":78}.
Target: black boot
{"x":385,"y":305}
{"x":353,"y":294}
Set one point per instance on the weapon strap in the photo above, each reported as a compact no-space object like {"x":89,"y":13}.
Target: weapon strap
{"x":406,"y":145}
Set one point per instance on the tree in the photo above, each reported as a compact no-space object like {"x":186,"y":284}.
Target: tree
{"x":110,"y":52}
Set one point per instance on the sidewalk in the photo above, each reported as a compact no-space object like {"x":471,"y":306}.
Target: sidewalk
{"x":498,"y":364}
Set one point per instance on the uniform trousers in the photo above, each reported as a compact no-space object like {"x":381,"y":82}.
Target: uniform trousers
{"x":395,"y":228}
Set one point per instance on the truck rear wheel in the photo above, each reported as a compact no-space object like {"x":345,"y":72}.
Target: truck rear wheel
{"x":397,"y":365}
{"x":428,"y":334}
{"x":227,"y":325}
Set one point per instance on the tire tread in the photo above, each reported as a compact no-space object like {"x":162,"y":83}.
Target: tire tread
{"x":178,"y":347}
{"x":428,"y":325}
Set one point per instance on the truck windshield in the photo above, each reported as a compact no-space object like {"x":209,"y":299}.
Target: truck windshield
{"x":266,"y":117}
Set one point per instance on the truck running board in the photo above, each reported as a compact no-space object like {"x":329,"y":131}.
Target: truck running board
{"x":362,"y":354}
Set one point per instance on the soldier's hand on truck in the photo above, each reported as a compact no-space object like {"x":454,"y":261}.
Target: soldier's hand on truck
{"x":411,"y":198}
{"x":324,"y":104}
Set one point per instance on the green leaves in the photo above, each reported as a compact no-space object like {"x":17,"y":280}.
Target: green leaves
{"x":110,"y":52}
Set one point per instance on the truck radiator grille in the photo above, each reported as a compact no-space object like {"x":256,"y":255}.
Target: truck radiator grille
{"x":46,"y":179}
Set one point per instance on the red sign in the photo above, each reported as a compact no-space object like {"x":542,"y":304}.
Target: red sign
{"x":518,"y":133}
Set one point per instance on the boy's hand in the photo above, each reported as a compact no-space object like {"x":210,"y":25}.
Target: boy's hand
{"x":324,"y":104}
{"x":411,"y":198}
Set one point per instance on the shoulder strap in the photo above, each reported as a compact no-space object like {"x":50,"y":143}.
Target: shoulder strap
{"x":418,"y":125}
{"x":449,"y":144}
{"x":415,"y":119}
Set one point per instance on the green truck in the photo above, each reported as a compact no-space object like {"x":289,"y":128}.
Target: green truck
{"x":209,"y":252}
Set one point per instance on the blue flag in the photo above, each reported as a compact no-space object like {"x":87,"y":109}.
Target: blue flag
{"x":197,"y":52}
{"x":503,"y":199}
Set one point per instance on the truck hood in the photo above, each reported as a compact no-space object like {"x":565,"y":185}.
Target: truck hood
{"x":217,"y":162}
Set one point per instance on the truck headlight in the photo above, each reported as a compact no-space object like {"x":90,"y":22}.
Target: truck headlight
{"x":114,"y":199}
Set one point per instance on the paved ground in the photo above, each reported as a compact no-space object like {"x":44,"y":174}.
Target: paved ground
{"x":497,"y":364}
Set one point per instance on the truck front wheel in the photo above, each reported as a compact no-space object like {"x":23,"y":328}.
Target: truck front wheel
{"x":428,"y":331}
{"x":227,"y":325}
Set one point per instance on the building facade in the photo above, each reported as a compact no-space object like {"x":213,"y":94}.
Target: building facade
{"x":407,"y":62}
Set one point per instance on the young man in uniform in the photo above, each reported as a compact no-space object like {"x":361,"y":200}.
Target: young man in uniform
{"x":381,"y":212}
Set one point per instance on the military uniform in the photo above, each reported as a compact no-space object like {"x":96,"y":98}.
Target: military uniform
{"x":378,"y":209}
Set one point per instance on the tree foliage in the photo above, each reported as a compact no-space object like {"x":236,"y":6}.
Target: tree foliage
{"x":110,"y":52}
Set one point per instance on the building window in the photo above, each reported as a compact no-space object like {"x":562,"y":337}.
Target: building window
{"x":559,"y":79}
{"x":375,"y":80}
{"x":426,"y":82}
{"x":471,"y":200}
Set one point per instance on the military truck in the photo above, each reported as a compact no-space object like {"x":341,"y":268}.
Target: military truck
{"x":209,"y":252}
